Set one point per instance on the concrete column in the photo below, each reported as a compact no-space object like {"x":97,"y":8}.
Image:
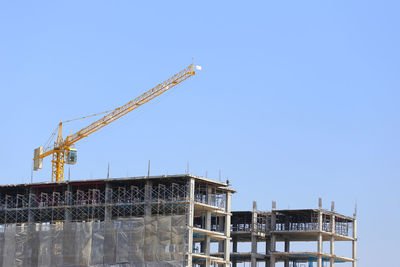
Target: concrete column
{"x":267,"y":240}
{"x":273,"y":243}
{"x":189,"y":220}
{"x":202,"y":246}
{"x":68,"y":202}
{"x":332,"y":260}
{"x":319,"y":260}
{"x":234,"y":248}
{"x":273,"y":249}
{"x":354,"y":242}
{"x":208,"y":227}
{"x":273,"y":227}
{"x":267,"y":245}
{"x":108,"y":199}
{"x":254,"y":235}
{"x":31,"y":203}
{"x":272,"y":261}
{"x":221,"y":225}
{"x":148,"y":197}
{"x":207,"y":243}
{"x":234,"y":244}
{"x":267,"y":249}
{"x":333,"y":231}
{"x":287,"y":249}
{"x":227,"y":228}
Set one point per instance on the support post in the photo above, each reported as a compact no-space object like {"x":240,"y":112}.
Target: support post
{"x":254,"y":235}
{"x":267,"y":250}
{"x":234,"y":248}
{"x":32,"y":198}
{"x":227,"y":229}
{"x":148,"y":197}
{"x":287,"y":250}
{"x":319,"y":259}
{"x":354,"y":246}
{"x":272,"y":261}
{"x":189,"y":220}
{"x":108,"y":200}
{"x":333,"y":230}
{"x":68,"y":201}
{"x":208,"y":227}
{"x":273,"y":237}
{"x":273,"y":227}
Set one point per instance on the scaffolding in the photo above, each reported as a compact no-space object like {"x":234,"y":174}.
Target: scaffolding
{"x":139,"y":221}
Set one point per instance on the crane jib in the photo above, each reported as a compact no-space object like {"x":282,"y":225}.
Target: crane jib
{"x":62,"y":149}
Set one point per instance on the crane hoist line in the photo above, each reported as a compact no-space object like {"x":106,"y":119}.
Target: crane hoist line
{"x":62,"y":151}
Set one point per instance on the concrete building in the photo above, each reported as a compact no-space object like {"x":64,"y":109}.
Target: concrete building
{"x":139,"y":221}
{"x":288,"y":226}
{"x":172,"y":220}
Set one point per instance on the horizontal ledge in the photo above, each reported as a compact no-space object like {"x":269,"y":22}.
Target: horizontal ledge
{"x":215,"y":235}
{"x":210,"y":208}
{"x":306,"y":255}
{"x":211,"y":258}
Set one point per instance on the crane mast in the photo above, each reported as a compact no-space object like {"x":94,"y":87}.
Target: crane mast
{"x":62,"y":148}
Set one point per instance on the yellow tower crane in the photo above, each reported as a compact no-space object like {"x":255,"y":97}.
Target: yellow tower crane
{"x":63,"y":152}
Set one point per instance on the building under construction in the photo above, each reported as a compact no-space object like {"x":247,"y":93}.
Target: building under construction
{"x":174,"y":220}
{"x":269,"y":228}
{"x":144,"y":221}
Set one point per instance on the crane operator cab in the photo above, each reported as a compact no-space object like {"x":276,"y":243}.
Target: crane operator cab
{"x":72,"y":156}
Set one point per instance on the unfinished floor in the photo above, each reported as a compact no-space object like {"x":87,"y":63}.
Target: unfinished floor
{"x":289,"y":226}
{"x":174,"y":220}
{"x":139,"y":221}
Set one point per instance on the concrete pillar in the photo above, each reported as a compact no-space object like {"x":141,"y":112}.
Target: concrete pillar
{"x":148,"y":197}
{"x":267,"y":250}
{"x":354,"y":246}
{"x":32,"y":198}
{"x":332,"y":260}
{"x":207,"y":243}
{"x":227,"y":228}
{"x":273,"y":249}
{"x":287,"y":249}
{"x":189,"y":220}
{"x":108,"y":199}
{"x":234,"y":248}
{"x":272,"y":261}
{"x":319,"y":259}
{"x":221,"y":225}
{"x":202,"y":246}
{"x":273,"y":227}
{"x":254,"y":235}
{"x":267,"y":245}
{"x":68,"y":202}
{"x":333,"y":231}
{"x":208,"y":226}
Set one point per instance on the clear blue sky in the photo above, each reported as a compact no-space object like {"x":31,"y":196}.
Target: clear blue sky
{"x":297,"y":99}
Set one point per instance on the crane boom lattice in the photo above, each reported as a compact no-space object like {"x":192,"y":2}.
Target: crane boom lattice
{"x":62,"y":151}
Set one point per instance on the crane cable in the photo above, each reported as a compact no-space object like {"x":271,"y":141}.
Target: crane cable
{"x":47,"y":145}
{"x":88,"y":116}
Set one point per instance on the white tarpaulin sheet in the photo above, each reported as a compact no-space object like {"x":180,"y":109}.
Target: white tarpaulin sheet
{"x":141,"y":242}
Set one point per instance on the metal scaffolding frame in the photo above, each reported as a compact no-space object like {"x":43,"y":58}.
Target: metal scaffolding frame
{"x":91,"y":204}
{"x":155,"y":217}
